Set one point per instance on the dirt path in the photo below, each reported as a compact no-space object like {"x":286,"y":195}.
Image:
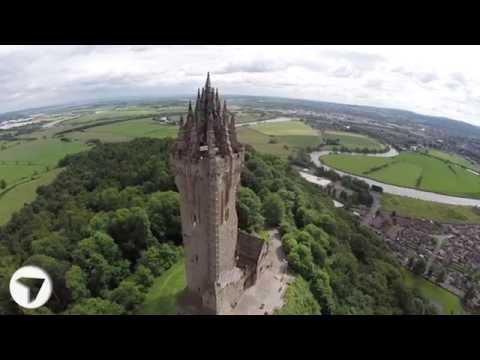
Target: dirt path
{"x":267,"y":294}
{"x":367,"y":220}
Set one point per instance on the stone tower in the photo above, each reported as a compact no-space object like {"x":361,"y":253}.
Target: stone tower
{"x":207,"y":162}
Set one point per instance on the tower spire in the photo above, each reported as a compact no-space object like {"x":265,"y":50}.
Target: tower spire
{"x":197,"y":103}
{"x":207,"y":83}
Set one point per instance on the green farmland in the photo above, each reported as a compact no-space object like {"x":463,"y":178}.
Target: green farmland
{"x":279,"y":138}
{"x":40,"y":152}
{"x":15,"y":197}
{"x":22,"y":161}
{"x":124,"y":131}
{"x":454,"y":158}
{"x":430,"y":210}
{"x":415,"y":170}
{"x":352,"y":140}
{"x":293,"y":127}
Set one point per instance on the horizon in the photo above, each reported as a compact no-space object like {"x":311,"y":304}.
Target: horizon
{"x":87,"y":102}
{"x":438,"y":81}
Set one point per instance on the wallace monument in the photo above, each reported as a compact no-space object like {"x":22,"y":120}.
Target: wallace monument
{"x":221,"y":261}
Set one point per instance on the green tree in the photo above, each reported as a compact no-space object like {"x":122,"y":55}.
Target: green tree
{"x":77,"y":283}
{"x":96,"y":306}
{"x":130,"y":228}
{"x":319,"y":235}
{"x":273,"y":210}
{"x":249,"y":209}
{"x":160,"y":258}
{"x":143,"y":277}
{"x":56,"y":269}
{"x":102,"y":262}
{"x":163,"y":209}
{"x":289,"y":242}
{"x":299,"y":299}
{"x":319,"y":254}
{"x":323,"y":292}
{"x":128,"y":294}
{"x":54,"y":245}
{"x":3,"y":184}
{"x":108,"y":199}
{"x":301,"y":260}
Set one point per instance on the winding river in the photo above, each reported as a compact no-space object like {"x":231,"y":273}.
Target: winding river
{"x":387,"y":188}
{"x":398,"y":190}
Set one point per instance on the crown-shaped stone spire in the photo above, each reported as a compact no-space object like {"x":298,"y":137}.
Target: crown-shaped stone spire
{"x":208,"y":130}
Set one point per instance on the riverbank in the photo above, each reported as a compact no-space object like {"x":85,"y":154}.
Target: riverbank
{"x":399,"y":190}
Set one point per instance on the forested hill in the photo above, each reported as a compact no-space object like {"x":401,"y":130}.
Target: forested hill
{"x":110,"y":223}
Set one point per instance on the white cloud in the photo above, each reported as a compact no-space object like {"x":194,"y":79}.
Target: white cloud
{"x":436,"y":80}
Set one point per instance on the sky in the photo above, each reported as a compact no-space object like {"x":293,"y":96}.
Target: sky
{"x":431,"y":80}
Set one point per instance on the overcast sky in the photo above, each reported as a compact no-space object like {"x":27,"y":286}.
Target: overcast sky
{"x":433,"y":80}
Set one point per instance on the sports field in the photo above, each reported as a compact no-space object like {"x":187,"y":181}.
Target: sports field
{"x":446,"y":302}
{"x":409,"y":169}
{"x":162,"y":296}
{"x":430,"y":210}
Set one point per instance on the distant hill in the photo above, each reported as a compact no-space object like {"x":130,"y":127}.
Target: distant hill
{"x":455,"y":127}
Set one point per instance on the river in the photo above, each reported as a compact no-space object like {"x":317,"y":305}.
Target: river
{"x":398,"y":190}
{"x":387,"y":188}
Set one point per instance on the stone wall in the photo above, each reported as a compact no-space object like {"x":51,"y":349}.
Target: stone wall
{"x":209,"y":220}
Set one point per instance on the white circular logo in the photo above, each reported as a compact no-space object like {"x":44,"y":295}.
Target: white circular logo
{"x":31,"y":287}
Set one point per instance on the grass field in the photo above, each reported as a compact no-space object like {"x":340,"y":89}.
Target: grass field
{"x":40,"y":152}
{"x":430,"y":210}
{"x":411,"y":170}
{"x":455,"y":158}
{"x":111,"y":113}
{"x":14,"y":173}
{"x":124,"y":131}
{"x":121,"y":112}
{"x":13,"y":199}
{"x":162,"y":296}
{"x":353,"y":140}
{"x":279,"y":138}
{"x":20,"y":162}
{"x":293,"y":127}
{"x":445,"y":301}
